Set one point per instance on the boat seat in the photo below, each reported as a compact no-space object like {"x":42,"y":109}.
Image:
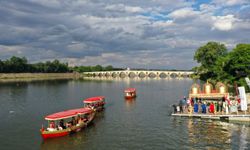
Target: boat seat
{"x":51,"y":129}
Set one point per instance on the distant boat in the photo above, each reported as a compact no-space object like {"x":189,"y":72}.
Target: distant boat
{"x":81,"y":117}
{"x":96,"y":103}
{"x":130,"y":93}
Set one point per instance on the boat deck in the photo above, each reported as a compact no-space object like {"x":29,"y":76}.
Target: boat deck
{"x":241,"y":117}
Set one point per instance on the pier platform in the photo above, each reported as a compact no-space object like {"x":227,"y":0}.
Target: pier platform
{"x":223,"y":117}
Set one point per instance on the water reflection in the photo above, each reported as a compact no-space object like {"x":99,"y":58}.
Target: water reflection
{"x":201,"y":131}
{"x":243,"y":137}
{"x":65,"y":142}
{"x":130,"y":103}
{"x":13,"y":95}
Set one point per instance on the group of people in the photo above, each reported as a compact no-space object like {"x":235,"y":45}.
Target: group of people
{"x":74,"y":122}
{"x":195,"y":105}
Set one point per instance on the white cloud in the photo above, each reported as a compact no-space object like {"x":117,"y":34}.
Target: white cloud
{"x":230,"y":2}
{"x":183,"y":13}
{"x":223,"y":23}
{"x":167,"y":23}
{"x":122,"y":7}
{"x":208,"y":8}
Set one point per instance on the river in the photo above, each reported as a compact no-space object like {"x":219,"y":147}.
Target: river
{"x":143,"y":123}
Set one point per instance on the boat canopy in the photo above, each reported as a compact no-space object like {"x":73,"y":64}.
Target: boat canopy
{"x":129,"y":90}
{"x":68,"y":113}
{"x":94,"y":99}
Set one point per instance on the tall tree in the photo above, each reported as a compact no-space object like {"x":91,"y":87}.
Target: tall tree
{"x":17,"y":64}
{"x":238,"y":64}
{"x":1,"y":66}
{"x":207,"y":56}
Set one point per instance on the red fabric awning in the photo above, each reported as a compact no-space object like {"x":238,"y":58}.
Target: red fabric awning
{"x":68,"y":113}
{"x":130,"y":90}
{"x":94,"y":99}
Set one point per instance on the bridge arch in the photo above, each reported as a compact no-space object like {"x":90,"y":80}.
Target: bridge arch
{"x":114,"y":75}
{"x":152,"y":75}
{"x":163,"y":75}
{"x":122,"y":75}
{"x":184,"y":75}
{"x":131,"y":75}
{"x":99,"y":74}
{"x":173,"y":75}
{"x":141,"y":75}
{"x":107,"y":74}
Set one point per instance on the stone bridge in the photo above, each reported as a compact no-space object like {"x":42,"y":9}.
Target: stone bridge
{"x":140,"y":74}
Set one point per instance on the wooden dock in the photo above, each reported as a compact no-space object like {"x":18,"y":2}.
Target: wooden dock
{"x":223,"y":117}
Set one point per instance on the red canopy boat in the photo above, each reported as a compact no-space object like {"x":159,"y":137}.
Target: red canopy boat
{"x":81,"y":117}
{"x":97,"y":102}
{"x":130,"y":93}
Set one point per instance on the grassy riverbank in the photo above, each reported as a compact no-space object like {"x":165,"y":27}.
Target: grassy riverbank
{"x":5,"y":77}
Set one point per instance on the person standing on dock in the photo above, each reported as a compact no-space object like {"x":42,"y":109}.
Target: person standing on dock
{"x":203,"y":107}
{"x":211,"y":107}
{"x":196,"y":107}
{"x":175,"y":108}
{"x":226,"y":107}
{"x":184,"y":104}
{"x":220,"y":107}
{"x":181,"y":106}
{"x":215,"y":108}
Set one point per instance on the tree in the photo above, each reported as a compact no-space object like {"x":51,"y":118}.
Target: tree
{"x":108,"y":68}
{"x":238,"y":65}
{"x":239,"y":61}
{"x":97,"y":68}
{"x":1,"y":66}
{"x":17,"y":64}
{"x":229,"y":68}
{"x":207,"y":56}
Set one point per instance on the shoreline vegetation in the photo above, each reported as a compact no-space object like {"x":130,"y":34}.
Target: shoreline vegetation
{"x":12,"y":77}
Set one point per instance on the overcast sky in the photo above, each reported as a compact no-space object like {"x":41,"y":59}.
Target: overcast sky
{"x":152,"y":34}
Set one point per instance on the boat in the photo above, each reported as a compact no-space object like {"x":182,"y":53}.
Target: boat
{"x":76,"y":119}
{"x":130,"y":93}
{"x":96,"y":103}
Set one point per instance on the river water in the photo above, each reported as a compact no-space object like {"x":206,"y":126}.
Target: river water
{"x":143,"y":123}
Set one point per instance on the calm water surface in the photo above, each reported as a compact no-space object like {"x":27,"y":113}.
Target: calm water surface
{"x":143,"y":123}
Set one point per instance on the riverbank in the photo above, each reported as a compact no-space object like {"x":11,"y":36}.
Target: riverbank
{"x":8,"y":77}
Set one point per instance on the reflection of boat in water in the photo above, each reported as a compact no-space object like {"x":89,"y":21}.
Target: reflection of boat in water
{"x":57,"y":129}
{"x":130,"y":104}
{"x":130,"y":93}
{"x":97,"y":102}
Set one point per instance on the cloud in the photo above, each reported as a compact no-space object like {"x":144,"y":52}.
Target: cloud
{"x":140,"y":34}
{"x":124,"y":8}
{"x":223,"y":23}
{"x":230,"y":2}
{"x":183,"y":13}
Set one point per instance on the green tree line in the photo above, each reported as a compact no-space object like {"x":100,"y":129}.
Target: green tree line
{"x":21,"y":65}
{"x":218,"y":64}
{"x":94,"y":68}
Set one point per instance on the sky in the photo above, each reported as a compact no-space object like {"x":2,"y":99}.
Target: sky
{"x":149,"y":34}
